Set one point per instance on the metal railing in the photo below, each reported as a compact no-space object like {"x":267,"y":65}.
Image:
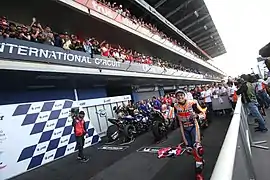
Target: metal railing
{"x":238,"y":141}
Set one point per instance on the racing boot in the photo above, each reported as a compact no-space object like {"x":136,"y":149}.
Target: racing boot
{"x":199,"y":177}
{"x":198,"y":170}
{"x":198,"y":152}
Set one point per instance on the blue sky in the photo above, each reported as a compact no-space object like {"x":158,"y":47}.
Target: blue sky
{"x":244,"y":28}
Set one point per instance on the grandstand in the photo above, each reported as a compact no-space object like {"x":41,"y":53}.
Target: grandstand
{"x":193,"y":22}
{"x":83,"y":28}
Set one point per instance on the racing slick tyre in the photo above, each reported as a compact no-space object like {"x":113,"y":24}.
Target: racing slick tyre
{"x":129,"y":131}
{"x":158,"y":130}
{"x":113,"y":133}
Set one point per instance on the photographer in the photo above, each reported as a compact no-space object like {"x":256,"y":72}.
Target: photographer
{"x":247,"y":90}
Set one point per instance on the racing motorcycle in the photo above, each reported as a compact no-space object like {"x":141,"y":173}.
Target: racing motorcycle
{"x":122,"y":127}
{"x":163,"y":122}
{"x":142,"y":122}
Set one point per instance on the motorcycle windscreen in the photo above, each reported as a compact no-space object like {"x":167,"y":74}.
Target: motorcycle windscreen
{"x":102,"y":117}
{"x":109,"y":111}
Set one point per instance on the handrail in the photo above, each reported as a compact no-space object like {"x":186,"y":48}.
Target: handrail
{"x":225,"y":164}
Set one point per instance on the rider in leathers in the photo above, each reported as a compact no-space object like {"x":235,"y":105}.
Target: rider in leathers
{"x":190,"y":129}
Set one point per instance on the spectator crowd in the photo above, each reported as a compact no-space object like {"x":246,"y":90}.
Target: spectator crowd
{"x":44,"y":34}
{"x":126,"y":13}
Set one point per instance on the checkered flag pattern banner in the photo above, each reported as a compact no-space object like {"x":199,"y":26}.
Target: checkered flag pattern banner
{"x":50,"y":122}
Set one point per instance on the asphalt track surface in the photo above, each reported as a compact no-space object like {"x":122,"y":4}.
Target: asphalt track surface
{"x":133,"y":165}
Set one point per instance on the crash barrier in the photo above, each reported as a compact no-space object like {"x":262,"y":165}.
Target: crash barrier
{"x":98,"y":10}
{"x":235,"y":160}
{"x":25,"y":51}
{"x":35,"y":133}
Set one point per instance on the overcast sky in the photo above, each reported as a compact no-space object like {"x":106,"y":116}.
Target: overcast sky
{"x":244,"y":28}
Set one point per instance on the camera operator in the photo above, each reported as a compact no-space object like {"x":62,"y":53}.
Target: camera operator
{"x":247,"y":90}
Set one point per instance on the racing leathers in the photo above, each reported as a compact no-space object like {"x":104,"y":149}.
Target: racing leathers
{"x":190,"y":130}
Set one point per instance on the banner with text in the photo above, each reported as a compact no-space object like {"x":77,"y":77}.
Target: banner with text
{"x":33,"y":134}
{"x":14,"y":49}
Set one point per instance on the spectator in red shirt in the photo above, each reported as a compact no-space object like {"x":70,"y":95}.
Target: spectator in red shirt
{"x":105,"y":49}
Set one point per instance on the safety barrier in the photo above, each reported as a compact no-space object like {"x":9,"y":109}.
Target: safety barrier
{"x":235,"y":159}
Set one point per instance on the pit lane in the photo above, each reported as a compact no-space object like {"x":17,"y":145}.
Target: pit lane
{"x":132,"y":165}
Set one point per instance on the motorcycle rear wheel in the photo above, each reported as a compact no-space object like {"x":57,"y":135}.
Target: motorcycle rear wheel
{"x":113,"y":133}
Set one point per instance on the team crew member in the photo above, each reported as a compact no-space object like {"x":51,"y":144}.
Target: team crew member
{"x":156,"y":104}
{"x":80,"y":131}
{"x":190,"y":129}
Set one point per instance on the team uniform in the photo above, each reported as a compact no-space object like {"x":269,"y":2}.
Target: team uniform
{"x":190,"y":130}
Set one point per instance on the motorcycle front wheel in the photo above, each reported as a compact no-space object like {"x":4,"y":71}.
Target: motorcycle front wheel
{"x":129,"y":131}
{"x":158,"y":130}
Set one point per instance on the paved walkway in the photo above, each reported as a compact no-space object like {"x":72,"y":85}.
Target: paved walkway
{"x":261,"y":157}
{"x":132,"y":165}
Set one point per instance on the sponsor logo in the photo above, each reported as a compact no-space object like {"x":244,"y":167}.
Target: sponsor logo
{"x":57,"y":133}
{"x":44,"y":116}
{"x":102,"y":113}
{"x":64,"y":113}
{"x":41,"y":148}
{"x":49,"y":157}
{"x":109,"y":63}
{"x":126,"y":98}
{"x":58,"y":105}
{"x":145,"y":67}
{"x":50,"y":125}
{"x":82,"y":104}
{"x":71,"y":148}
{"x":3,"y":136}
{"x":107,"y":100}
{"x":149,"y":149}
{"x":63,"y":141}
{"x":35,"y":108}
{"x":42,"y":53}
{"x":88,"y":142}
{"x":2,"y":165}
{"x":113,"y":148}
{"x":1,"y":118}
{"x":102,"y":9}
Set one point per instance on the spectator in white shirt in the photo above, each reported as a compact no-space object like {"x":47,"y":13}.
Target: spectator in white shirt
{"x":202,"y":93}
{"x":208,"y":100}
{"x":222,"y":90}
{"x":261,"y":92}
{"x":189,"y":95}
{"x":231,"y":92}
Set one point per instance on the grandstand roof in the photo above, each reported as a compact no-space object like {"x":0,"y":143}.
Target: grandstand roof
{"x":191,"y":17}
{"x":265,"y":51}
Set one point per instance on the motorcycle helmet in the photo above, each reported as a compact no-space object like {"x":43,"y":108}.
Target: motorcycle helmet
{"x":180,"y":91}
{"x":182,"y":98}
